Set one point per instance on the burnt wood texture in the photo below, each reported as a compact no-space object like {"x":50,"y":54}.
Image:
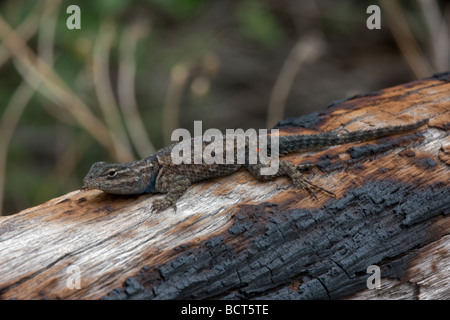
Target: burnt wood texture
{"x":236,"y":237}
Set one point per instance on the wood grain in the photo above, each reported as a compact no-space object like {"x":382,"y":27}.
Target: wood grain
{"x":235,"y":237}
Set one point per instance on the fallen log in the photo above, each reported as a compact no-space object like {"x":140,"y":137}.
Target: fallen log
{"x":236,"y":237}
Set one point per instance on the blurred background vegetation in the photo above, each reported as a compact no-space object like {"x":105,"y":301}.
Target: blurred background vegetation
{"x":115,"y":89}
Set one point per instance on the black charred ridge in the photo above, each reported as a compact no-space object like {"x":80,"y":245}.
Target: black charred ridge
{"x":308,"y":121}
{"x":347,"y":102}
{"x":382,"y":145}
{"x":443,"y":76}
{"x":271,"y":253}
{"x":314,"y":119}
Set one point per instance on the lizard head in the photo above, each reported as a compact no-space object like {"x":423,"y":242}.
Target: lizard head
{"x":125,"y":178}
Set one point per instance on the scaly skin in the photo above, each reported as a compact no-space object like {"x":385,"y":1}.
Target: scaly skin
{"x":158,"y":174}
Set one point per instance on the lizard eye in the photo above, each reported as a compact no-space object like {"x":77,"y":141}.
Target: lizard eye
{"x":112,"y":173}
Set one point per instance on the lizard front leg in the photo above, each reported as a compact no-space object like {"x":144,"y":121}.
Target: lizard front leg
{"x":174,"y":186}
{"x":289,"y":169}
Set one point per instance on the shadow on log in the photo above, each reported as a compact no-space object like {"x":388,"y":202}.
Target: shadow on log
{"x":236,"y":237}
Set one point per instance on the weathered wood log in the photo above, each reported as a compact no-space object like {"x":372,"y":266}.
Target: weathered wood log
{"x":235,"y":237}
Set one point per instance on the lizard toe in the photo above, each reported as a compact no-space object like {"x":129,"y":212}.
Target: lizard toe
{"x":161,"y":205}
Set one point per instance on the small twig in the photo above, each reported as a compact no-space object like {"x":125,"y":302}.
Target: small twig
{"x":27,"y":28}
{"x":57,"y":90}
{"x":127,"y":99}
{"x":102,"y":85}
{"x":307,"y":49}
{"x":23,"y":94}
{"x":408,"y":46}
{"x":178,"y":79}
{"x":438,"y":32}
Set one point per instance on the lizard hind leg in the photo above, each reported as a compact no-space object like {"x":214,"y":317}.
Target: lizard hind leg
{"x":174,"y":186}
{"x":289,"y":169}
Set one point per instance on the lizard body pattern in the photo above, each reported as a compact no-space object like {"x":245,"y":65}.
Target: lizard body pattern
{"x":158,"y":174}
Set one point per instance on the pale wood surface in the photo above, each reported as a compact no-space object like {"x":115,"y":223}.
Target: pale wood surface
{"x":235,"y":237}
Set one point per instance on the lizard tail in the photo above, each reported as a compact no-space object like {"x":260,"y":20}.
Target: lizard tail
{"x":292,"y":143}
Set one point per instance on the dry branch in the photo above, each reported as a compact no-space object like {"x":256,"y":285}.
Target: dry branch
{"x":235,"y":237}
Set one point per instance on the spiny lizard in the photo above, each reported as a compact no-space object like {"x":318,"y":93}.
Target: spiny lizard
{"x":158,"y":174}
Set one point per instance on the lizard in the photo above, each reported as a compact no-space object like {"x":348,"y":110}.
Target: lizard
{"x":158,"y":174}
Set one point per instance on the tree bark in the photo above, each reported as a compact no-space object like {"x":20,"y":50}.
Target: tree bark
{"x":236,"y":237}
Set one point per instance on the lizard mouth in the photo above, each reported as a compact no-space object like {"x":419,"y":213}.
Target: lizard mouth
{"x":86,"y":185}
